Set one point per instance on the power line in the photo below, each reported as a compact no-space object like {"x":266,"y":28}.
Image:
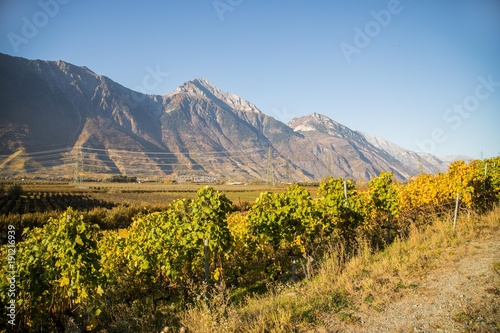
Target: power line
{"x":76,"y":177}
{"x":224,"y":152}
{"x":98,"y":160}
{"x":270,"y":171}
{"x":43,"y":152}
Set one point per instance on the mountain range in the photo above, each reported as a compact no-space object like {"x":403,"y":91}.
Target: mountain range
{"x":58,"y":120}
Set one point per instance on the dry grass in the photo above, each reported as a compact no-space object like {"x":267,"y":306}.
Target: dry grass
{"x":341,"y":288}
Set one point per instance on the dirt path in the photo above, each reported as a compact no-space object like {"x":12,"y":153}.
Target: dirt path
{"x":461,"y":296}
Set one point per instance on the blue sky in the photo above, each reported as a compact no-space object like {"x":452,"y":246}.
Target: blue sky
{"x":423,"y":74}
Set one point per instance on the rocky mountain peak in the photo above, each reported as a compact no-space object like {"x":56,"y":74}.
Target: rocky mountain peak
{"x":196,"y":129}
{"x":201,"y":87}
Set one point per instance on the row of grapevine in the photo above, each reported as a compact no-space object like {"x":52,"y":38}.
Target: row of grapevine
{"x":114,"y":218}
{"x":477,"y":184}
{"x":70,"y":271}
{"x":37,"y":203}
{"x":75,"y":274}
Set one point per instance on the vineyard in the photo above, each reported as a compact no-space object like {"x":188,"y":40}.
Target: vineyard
{"x":72,"y":274}
{"x":43,"y":202}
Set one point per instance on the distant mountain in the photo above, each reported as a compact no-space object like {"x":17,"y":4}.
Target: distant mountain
{"x":453,"y":158}
{"x":354,"y":154}
{"x":47,"y":109}
{"x":418,"y":162}
{"x":63,"y":121}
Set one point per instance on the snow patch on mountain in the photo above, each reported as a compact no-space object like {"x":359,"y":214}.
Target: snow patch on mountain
{"x":304,"y":128}
{"x":320,"y":123}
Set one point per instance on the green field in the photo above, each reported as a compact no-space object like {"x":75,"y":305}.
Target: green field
{"x":148,"y":193}
{"x":111,"y":205}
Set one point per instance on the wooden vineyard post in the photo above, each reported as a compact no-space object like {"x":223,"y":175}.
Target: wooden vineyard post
{"x":388,"y":227}
{"x":456,"y":211}
{"x":294,"y":267}
{"x":207,"y":269}
{"x":345,"y":191}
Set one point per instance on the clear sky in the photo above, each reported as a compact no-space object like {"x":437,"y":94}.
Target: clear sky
{"x":424,"y":74}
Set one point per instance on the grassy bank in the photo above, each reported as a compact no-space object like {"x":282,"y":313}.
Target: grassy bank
{"x":344,"y":285}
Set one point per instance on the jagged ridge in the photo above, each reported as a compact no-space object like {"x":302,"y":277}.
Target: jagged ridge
{"x":95,"y":126}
